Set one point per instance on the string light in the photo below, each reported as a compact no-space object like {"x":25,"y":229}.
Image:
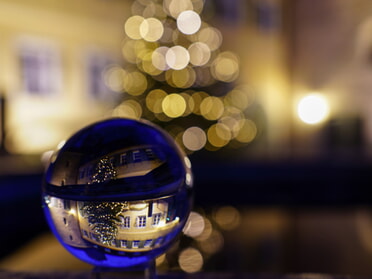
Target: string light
{"x":168,"y":43}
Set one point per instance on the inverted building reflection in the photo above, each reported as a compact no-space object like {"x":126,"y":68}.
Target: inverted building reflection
{"x":121,"y":226}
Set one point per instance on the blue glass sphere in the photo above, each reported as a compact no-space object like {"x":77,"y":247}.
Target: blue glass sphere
{"x":118,"y":193}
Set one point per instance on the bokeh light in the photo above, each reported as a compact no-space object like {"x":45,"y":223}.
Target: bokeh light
{"x":313,"y":109}
{"x":151,"y":29}
{"x":211,"y":36}
{"x":128,"y":109}
{"x":170,"y":42}
{"x":183,"y":78}
{"x":207,"y":232}
{"x":135,"y":83}
{"x":175,"y":7}
{"x":129,"y":51}
{"x":188,"y":22}
{"x":113,"y":78}
{"x":177,"y":57}
{"x":227,"y":217}
{"x":199,"y":54}
{"x":158,"y":58}
{"x":247,"y":131}
{"x":219,"y":135}
{"x":211,"y":108}
{"x":213,"y":243}
{"x":225,"y":67}
{"x":189,"y":103}
{"x":194,"y":225}
{"x":238,"y":98}
{"x":190,"y":260}
{"x":154,"y":100}
{"x":198,"y":98}
{"x":174,"y":105}
{"x":132,"y":27}
{"x":194,"y":138}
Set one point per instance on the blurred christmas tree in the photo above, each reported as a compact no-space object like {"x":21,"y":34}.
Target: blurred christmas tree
{"x":176,"y":75}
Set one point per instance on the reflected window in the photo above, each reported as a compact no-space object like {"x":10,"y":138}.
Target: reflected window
{"x":150,"y":154}
{"x":124,"y":243}
{"x":141,"y":221}
{"x":135,"y":243}
{"x":126,"y":222}
{"x":156,"y":219}
{"x":123,"y":159}
{"x":148,"y":243}
{"x":137,"y":156}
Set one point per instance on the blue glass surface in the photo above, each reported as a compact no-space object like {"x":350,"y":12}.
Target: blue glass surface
{"x":118,"y":193}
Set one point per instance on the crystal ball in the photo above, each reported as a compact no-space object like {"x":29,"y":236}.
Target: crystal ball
{"x":118,"y":193}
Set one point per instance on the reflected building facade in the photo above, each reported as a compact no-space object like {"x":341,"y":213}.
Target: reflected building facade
{"x":121,"y":226}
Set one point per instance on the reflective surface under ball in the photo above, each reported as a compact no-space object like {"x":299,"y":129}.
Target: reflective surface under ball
{"x":118,"y":193}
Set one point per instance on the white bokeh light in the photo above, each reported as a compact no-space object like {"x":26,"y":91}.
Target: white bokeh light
{"x":188,"y":22}
{"x":177,"y":57}
{"x":313,"y":109}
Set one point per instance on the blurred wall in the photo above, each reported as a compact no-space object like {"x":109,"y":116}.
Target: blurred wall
{"x":51,"y":55}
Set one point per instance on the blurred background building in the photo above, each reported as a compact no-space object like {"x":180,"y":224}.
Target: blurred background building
{"x":270,"y":99}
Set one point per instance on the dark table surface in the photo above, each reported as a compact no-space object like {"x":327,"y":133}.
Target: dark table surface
{"x":176,"y":275}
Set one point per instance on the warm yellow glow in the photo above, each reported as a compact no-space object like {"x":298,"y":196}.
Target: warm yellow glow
{"x":148,"y":66}
{"x":72,"y":211}
{"x":197,"y":98}
{"x":219,"y":135}
{"x":144,"y":48}
{"x":132,"y":27}
{"x":128,"y":109}
{"x":212,"y":244}
{"x":173,"y":105}
{"x":207,"y":232}
{"x":34,"y":137}
{"x":184,"y":78}
{"x":154,"y":100}
{"x":158,"y":58}
{"x":128,"y":51}
{"x":189,"y":179}
{"x":151,"y":29}
{"x":194,"y":138}
{"x":227,"y":217}
{"x":188,"y":22}
{"x":211,"y":108}
{"x":225,"y":67}
{"x":189,"y":103}
{"x":232,"y":123}
{"x":175,"y":7}
{"x":211,"y":37}
{"x":153,"y":10}
{"x":199,"y":54}
{"x":113,"y":78}
{"x":198,"y":5}
{"x":177,"y":57}
{"x":313,"y":109}
{"x":238,"y":98}
{"x":194,"y":225}
{"x":247,"y":132}
{"x":190,"y":260}
{"x":135,"y":83}
{"x":160,"y":260}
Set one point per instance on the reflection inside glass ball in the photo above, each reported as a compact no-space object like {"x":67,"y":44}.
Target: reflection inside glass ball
{"x":118,"y":193}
